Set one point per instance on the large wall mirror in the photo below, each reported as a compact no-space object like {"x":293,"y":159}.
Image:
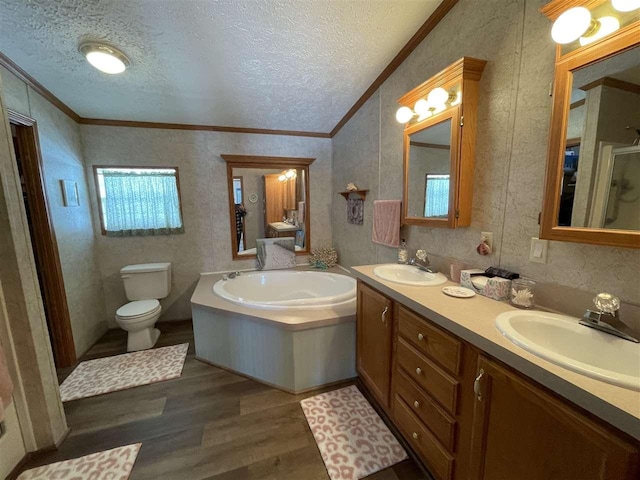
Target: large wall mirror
{"x":439,"y":146}
{"x":592,"y":192}
{"x":268,"y":197}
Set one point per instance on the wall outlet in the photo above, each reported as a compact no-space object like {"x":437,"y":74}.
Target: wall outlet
{"x":487,"y":237}
{"x":538,"y":250}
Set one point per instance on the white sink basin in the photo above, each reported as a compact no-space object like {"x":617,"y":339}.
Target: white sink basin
{"x":563,"y":341}
{"x":409,"y":275}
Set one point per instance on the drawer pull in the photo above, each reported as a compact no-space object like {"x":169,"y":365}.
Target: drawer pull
{"x":419,"y":371}
{"x":415,"y":436}
{"x":420,"y":337}
{"x":416,"y":404}
{"x":384,"y":316}
{"x":476,"y":385}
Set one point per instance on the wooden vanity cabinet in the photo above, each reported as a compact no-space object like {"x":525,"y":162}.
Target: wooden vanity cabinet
{"x":522,"y":431}
{"x":467,"y":416}
{"x":373,"y":346}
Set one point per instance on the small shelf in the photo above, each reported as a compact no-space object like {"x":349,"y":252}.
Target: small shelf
{"x":362,"y":193}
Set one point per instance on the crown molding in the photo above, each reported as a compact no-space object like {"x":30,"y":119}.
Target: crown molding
{"x":205,"y":128}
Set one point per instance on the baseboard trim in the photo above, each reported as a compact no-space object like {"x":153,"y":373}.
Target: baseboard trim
{"x":17,"y":470}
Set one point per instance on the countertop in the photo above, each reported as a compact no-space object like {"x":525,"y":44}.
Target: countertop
{"x":472,"y":319}
{"x":204,"y":297}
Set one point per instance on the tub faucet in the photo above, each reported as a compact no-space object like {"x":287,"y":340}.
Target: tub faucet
{"x":422,"y":262}
{"x":608,"y":306}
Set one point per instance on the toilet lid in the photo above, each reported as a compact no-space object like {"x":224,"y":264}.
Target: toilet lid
{"x":137,"y":308}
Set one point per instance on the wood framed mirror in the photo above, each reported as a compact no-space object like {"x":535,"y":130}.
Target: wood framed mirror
{"x":268,"y":197}
{"x":439,"y":146}
{"x":592,"y":184}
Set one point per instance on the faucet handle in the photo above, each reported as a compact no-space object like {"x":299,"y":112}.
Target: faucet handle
{"x":607,"y":303}
{"x":421,"y":255}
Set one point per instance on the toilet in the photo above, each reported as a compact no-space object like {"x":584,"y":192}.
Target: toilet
{"x":144,"y":285}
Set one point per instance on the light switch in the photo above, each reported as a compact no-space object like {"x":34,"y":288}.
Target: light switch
{"x":538,"y":251}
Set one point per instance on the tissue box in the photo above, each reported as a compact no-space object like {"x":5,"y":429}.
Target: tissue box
{"x":496,"y":288}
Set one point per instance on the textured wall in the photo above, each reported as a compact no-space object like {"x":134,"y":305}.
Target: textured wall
{"x":513,"y":123}
{"x":37,"y":396}
{"x":61,"y":149}
{"x":205,"y":245}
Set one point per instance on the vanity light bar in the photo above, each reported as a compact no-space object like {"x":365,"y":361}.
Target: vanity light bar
{"x":287,"y":175}
{"x":437,"y":100}
{"x":578,"y":24}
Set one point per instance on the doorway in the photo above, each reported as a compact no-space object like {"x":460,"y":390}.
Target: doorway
{"x":43,"y":239}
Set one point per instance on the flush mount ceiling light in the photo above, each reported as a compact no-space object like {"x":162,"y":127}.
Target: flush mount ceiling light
{"x":105,"y":58}
{"x":573,"y":24}
{"x":625,"y":5}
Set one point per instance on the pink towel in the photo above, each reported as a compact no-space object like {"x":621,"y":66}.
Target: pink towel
{"x":386,"y":222}
{"x":6,"y":385}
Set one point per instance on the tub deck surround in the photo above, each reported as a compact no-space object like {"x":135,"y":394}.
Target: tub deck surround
{"x":299,"y":319}
{"x":294,"y":350}
{"x":472,"y":319}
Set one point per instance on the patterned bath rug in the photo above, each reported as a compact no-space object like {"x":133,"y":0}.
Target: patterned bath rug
{"x":115,"y":464}
{"x":110,"y":374}
{"x":352,"y":438}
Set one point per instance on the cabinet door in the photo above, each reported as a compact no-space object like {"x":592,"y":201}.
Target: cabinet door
{"x":374,"y":324}
{"x":521,"y":431}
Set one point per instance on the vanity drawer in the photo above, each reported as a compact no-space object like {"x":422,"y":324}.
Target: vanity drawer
{"x":439,"y":384}
{"x":437,"y":458}
{"x":433,"y":416}
{"x":430,"y":340}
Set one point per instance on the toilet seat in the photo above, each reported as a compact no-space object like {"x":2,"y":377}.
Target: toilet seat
{"x":138,"y":309}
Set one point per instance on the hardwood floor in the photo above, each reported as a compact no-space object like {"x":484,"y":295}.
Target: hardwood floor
{"x":207,"y":424}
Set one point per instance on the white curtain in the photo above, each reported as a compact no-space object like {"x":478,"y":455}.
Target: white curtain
{"x":436,"y":201}
{"x":141,"y":203}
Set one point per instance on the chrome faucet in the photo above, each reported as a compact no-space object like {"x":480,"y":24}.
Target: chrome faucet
{"x":608,"y":306}
{"x":422,"y":262}
{"x":231,"y":275}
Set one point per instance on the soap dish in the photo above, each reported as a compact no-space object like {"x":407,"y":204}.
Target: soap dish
{"x":458,"y":292}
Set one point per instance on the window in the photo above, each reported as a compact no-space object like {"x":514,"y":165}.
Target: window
{"x":436,"y":196}
{"x":237,"y":190}
{"x":138,"y":201}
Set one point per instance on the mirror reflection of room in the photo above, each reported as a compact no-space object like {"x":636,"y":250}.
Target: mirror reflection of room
{"x":429,"y":171}
{"x":601,"y":182}
{"x":268,"y":203}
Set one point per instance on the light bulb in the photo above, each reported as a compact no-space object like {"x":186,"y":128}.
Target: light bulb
{"x":282,"y":178}
{"x":404,"y":114}
{"x":571,"y":25}
{"x":625,"y":5}
{"x":421,"y":107}
{"x":426,"y":114}
{"x":289,"y":174}
{"x":437,"y":97}
{"x":607,"y":25}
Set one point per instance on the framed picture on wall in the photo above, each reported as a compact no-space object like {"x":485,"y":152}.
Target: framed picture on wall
{"x":70,"y":195}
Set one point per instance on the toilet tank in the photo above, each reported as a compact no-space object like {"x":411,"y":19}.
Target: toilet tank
{"x":146,"y":281}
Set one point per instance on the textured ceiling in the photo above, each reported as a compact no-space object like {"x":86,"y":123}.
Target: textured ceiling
{"x":276,"y":64}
